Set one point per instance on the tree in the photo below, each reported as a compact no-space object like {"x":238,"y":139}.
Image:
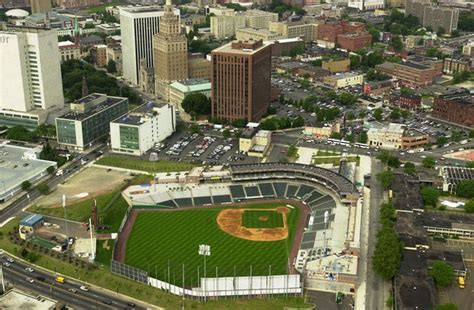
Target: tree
{"x":197,"y":103}
{"x":350,"y":116}
{"x":429,"y":162}
{"x":395,"y":114}
{"x":441,"y":31}
{"x":469,"y":206}
{"x":195,"y":128}
{"x":471,"y":133}
{"x":386,"y":179}
{"x":456,"y":136}
{"x":336,"y":135}
{"x":240,"y":123}
{"x":226,"y":134}
{"x":50,"y":169}
{"x":441,"y":141}
{"x":430,"y":196}
{"x":397,"y":44}
{"x":460,"y":77}
{"x":466,"y":20}
{"x":434,"y":52}
{"x":25,"y":185}
{"x":446,"y":307}
{"x":442,"y":273}
{"x":111,"y":67}
{"x":470,"y":164}
{"x":465,"y":189}
{"x":387,"y":254}
{"x":19,"y":133}
{"x":378,"y":114}
{"x":363,"y":138}
{"x":409,"y":168}
{"x":43,"y":188}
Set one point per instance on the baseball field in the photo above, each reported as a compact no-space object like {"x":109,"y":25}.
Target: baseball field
{"x":256,"y":237}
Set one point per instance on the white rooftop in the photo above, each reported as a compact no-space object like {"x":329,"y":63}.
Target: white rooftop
{"x":16,"y":299}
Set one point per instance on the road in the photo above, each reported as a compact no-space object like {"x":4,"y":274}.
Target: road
{"x":44,"y":284}
{"x":374,"y":297}
{"x":288,"y":138}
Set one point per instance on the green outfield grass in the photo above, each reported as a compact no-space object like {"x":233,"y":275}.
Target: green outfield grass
{"x":162,"y":239}
{"x":262,"y":219}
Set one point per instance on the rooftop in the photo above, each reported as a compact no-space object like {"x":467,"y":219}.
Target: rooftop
{"x":16,"y":299}
{"x":249,"y":47}
{"x":454,"y":175}
{"x":85,"y":107}
{"x":414,"y":65}
{"x":31,"y":220}
{"x":406,"y":193}
{"x":66,"y":44}
{"x":192,"y":85}
{"x":141,"y":114}
{"x":330,"y":266}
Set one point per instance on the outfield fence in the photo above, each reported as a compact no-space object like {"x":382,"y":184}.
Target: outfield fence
{"x":219,"y":286}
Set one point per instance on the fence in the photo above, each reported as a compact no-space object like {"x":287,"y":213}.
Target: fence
{"x":216,"y":287}
{"x":129,"y":272}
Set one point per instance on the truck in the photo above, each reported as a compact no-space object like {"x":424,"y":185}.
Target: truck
{"x":60,"y":279}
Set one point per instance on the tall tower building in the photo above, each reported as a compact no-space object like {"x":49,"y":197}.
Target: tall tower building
{"x":137,"y":26}
{"x":241,"y":80}
{"x":170,"y":51}
{"x":30,"y":75}
{"x":40,"y":6}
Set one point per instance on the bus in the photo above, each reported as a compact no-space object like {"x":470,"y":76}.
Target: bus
{"x":461,"y":282}
{"x":59,"y":279}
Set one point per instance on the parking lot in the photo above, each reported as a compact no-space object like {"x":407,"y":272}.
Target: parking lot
{"x":208,"y":147}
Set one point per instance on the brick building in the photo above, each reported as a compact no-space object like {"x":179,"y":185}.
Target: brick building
{"x":454,"y":65}
{"x":378,"y":88}
{"x":354,"y":41}
{"x":415,"y":72}
{"x":241,"y":80}
{"x":336,"y":65}
{"x":408,"y":101}
{"x":455,"y":107}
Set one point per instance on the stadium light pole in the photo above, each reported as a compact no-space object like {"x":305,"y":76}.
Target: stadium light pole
{"x":326,"y":219}
{"x":204,"y":250}
{"x":65,"y":218}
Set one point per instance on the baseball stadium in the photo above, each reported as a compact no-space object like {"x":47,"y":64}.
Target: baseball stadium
{"x":259,"y":225}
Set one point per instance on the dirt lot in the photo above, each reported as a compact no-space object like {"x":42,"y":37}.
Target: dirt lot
{"x":89,"y":182}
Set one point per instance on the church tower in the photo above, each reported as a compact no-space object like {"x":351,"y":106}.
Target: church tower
{"x":170,"y":51}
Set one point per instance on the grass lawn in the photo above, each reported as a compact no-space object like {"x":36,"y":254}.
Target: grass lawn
{"x":262,"y":219}
{"x":111,"y":208}
{"x":162,"y":238}
{"x":326,"y":153}
{"x":104,"y":251}
{"x":105,"y":279}
{"x":144,"y":165}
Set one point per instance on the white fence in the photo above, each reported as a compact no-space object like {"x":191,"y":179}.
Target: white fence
{"x":236,"y":286}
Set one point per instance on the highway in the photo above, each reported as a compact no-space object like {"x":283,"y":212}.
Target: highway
{"x":43,"y":283}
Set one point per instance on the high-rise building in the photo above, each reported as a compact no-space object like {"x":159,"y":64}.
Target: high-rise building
{"x":40,"y":6}
{"x":241,"y":80}
{"x":170,"y":51}
{"x":89,"y":120}
{"x":30,"y":75}
{"x":69,"y":4}
{"x":139,"y":130}
{"x":430,"y":15}
{"x":138,"y":25}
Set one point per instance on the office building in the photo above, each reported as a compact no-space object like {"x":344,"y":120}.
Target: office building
{"x":455,"y":107}
{"x":89,"y":120}
{"x":40,"y":6}
{"x":30,"y":76}
{"x":433,"y":16}
{"x":180,"y":89}
{"x":354,"y":41}
{"x":413,"y":72}
{"x":139,"y":130}
{"x":307,"y":31}
{"x":199,"y":67}
{"x":69,"y":50}
{"x":77,"y":4}
{"x":170,"y":51}
{"x":241,"y":82}
{"x":138,"y":25}
{"x":255,"y":142}
{"x":458,"y":64}
{"x":336,"y":65}
{"x":99,"y":55}
{"x":363,"y":5}
{"x":259,"y":19}
{"x":396,"y":136}
{"x":223,"y":26}
{"x":344,"y":79}
{"x":244,"y":34}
